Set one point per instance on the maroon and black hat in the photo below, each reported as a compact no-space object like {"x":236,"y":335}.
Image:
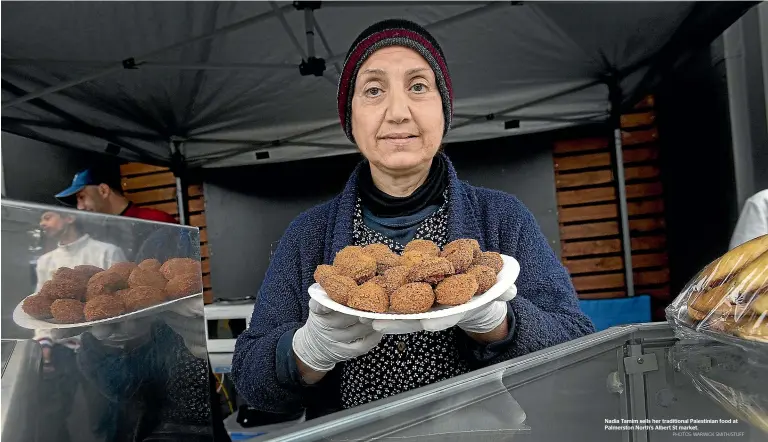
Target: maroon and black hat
{"x":392,"y":32}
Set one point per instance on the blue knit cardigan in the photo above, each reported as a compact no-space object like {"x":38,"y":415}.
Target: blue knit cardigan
{"x":546,"y":308}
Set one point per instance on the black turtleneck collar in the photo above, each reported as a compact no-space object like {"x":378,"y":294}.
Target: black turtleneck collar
{"x":386,"y":206}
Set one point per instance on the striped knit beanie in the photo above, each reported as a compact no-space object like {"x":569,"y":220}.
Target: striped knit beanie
{"x":392,"y":32}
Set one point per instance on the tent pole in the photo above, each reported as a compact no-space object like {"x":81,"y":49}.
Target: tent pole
{"x":177,"y":167}
{"x":153,"y":64}
{"x":136,"y":61}
{"x":552,"y":118}
{"x":528,"y":104}
{"x":614,"y":93}
{"x":84,"y":126}
{"x":74,"y":128}
{"x":251,"y":147}
{"x":309,"y":26}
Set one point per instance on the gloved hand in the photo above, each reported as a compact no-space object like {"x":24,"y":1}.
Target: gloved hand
{"x":331,"y":337}
{"x":480,"y":320}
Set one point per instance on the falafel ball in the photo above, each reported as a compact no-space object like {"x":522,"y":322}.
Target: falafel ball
{"x":384,"y":256}
{"x":150,"y":264}
{"x":394,"y":278}
{"x":456,"y":289}
{"x":38,"y":306}
{"x":431,"y":270}
{"x":323,"y":271}
{"x":485,"y":276}
{"x":142,"y":297}
{"x":68,"y":285}
{"x":460,"y":254}
{"x":147,"y":278}
{"x":472,"y":243}
{"x":416,"y":297}
{"x":338,"y":288}
{"x":353,"y":262}
{"x":179,"y":266}
{"x":88,"y":270}
{"x":490,"y":259}
{"x":104,"y":283}
{"x":67,"y":311}
{"x":424,"y":246}
{"x":104,"y":307}
{"x":183,"y":285}
{"x":379,"y":281}
{"x":369,"y":297}
{"x":45,"y":290}
{"x":63,"y":272}
{"x":123,"y":269}
{"x":410,"y":259}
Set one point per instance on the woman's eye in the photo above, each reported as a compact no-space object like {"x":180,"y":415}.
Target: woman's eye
{"x":373,"y":92}
{"x":419,"y":88}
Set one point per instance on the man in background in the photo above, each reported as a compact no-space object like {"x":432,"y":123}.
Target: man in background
{"x":98,"y":189}
{"x":753,"y":221}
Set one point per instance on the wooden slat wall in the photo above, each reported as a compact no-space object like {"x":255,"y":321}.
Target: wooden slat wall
{"x":155,"y":187}
{"x":588,"y":210}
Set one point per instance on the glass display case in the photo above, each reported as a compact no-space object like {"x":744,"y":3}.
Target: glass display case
{"x":619,"y":385}
{"x":103,"y":331}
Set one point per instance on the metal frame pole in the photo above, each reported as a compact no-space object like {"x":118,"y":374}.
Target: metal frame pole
{"x":309,"y":26}
{"x":536,"y":101}
{"x":177,"y":167}
{"x":614,"y":94}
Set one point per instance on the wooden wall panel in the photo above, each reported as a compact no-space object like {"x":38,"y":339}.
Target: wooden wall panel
{"x":152,"y":186}
{"x":588,"y":209}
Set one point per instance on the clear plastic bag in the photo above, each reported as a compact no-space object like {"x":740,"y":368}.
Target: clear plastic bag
{"x":730,"y":375}
{"x":728,"y":299}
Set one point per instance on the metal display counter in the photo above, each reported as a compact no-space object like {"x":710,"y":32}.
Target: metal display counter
{"x":116,"y":311}
{"x":583,"y":390}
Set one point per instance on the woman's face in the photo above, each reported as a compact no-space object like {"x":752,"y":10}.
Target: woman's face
{"x":397,"y":112}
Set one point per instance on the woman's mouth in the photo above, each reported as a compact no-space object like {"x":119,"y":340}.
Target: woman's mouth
{"x":398,"y":136}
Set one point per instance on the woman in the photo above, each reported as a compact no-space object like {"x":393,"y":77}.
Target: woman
{"x":395,"y":103}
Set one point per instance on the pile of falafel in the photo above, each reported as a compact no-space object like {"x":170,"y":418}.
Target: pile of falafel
{"x":375,"y":279}
{"x":90,"y":293}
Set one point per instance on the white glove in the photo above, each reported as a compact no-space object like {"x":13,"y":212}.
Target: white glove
{"x":480,"y":320}
{"x":331,"y":337}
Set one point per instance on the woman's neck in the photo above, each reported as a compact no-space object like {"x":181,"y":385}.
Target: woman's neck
{"x":400,"y":185}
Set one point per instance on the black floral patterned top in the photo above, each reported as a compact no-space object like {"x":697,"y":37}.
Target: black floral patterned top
{"x":401,"y":362}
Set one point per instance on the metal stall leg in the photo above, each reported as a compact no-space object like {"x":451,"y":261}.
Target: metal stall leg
{"x":614,"y":93}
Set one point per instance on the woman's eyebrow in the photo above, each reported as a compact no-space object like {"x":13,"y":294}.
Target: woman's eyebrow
{"x":379,"y":72}
{"x":414,"y":71}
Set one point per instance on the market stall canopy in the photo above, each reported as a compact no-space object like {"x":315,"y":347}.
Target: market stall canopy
{"x":222,"y":81}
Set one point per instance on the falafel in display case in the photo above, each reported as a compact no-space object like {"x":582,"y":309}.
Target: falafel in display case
{"x":114,"y":307}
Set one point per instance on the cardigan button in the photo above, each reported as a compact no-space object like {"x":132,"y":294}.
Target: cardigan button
{"x":401,"y":347}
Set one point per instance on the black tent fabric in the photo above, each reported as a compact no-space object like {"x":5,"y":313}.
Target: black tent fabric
{"x":215,"y":82}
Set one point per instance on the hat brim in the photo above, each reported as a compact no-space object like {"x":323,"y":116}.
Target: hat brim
{"x":69,"y":196}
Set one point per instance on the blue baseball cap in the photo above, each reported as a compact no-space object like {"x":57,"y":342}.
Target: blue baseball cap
{"x":107,"y":173}
{"x":83,"y":178}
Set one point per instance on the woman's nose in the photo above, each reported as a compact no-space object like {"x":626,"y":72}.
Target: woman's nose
{"x":398,"y":110}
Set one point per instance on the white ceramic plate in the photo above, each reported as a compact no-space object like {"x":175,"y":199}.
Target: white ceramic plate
{"x":26,"y":321}
{"x":504,"y":280}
